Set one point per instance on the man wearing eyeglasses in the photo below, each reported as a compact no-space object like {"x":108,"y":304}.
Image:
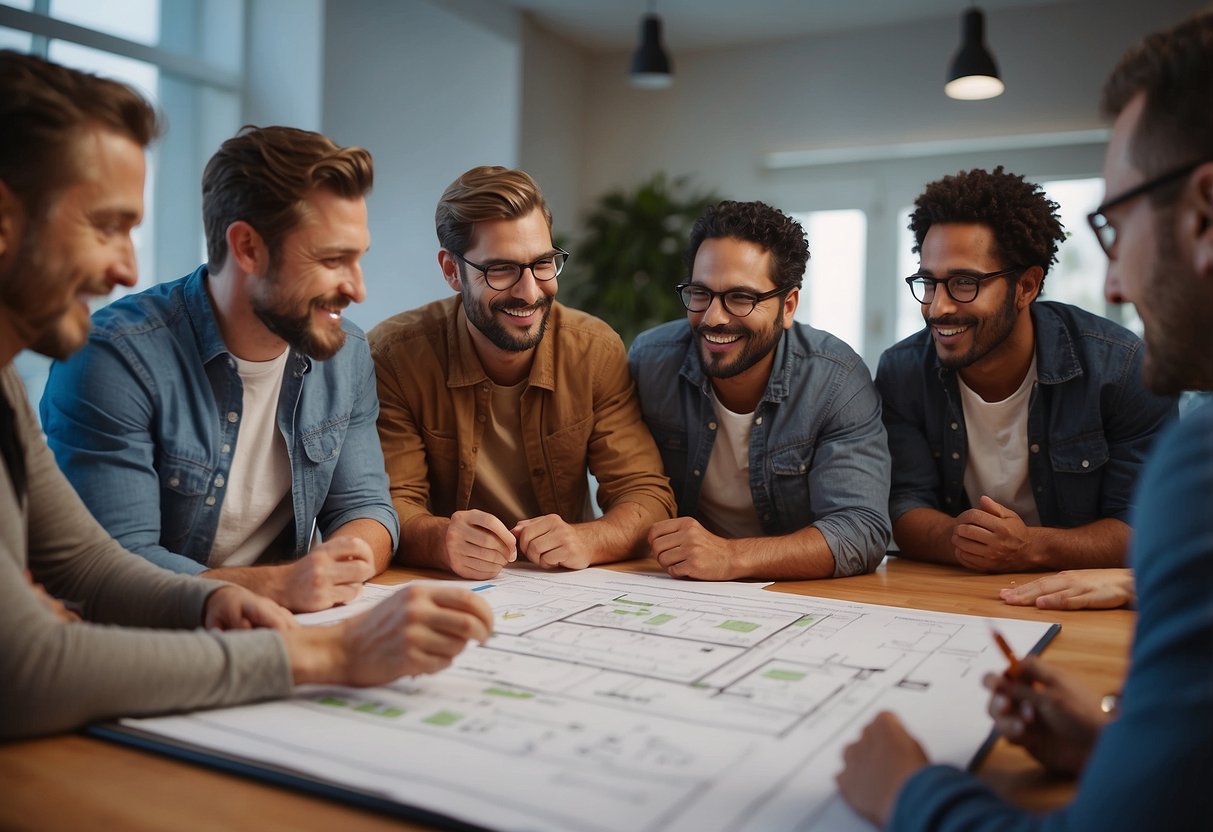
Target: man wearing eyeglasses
{"x":769,"y":429}
{"x":1144,"y":759}
{"x":1017,"y":426}
{"x":495,"y":402}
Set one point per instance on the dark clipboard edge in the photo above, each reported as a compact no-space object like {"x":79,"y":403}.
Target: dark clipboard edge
{"x":986,"y":746}
{"x":274,"y":775}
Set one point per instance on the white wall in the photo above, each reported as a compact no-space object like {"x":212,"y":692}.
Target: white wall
{"x":431,"y":89}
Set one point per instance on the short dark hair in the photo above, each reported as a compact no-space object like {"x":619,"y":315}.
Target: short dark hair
{"x":262,"y":175}
{"x":1027,"y":230}
{"x":487,"y":192}
{"x":758,"y":223}
{"x":44,"y":110}
{"x":1175,"y":71}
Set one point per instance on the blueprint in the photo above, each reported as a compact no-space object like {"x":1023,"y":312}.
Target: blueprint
{"x":608,"y":701}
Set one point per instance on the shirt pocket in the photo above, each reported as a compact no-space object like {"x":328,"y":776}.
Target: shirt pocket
{"x":322,"y":448}
{"x":184,"y":485}
{"x":442,"y":471}
{"x":1078,"y":471}
{"x":789,"y":483}
{"x":567,"y":460}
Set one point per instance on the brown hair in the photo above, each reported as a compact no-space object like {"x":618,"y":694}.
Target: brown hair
{"x":1175,"y":71}
{"x":485,"y":193}
{"x":45,"y":108}
{"x":262,"y":176}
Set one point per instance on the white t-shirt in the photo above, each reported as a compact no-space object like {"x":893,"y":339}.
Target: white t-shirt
{"x":726,"y":507}
{"x":257,"y":506}
{"x":997,"y":464}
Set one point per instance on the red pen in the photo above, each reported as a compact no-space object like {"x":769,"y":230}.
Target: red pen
{"x":1012,"y":671}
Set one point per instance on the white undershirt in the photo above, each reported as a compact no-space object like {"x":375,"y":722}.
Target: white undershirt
{"x":726,"y":507}
{"x":997,"y":464}
{"x":257,"y":506}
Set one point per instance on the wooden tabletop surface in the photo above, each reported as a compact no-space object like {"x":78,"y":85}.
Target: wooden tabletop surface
{"x":77,"y":782}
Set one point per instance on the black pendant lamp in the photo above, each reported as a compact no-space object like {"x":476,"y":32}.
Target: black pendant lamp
{"x":651,"y":68}
{"x":973,"y":74}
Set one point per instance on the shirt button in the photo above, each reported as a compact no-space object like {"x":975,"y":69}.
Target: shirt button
{"x":955,"y":455}
{"x":174,"y":482}
{"x":233,"y":416}
{"x":227,"y":449}
{"x":1086,"y":464}
{"x":947,"y":499}
{"x":696,"y":472}
{"x":802,"y":469}
{"x":210,"y":501}
{"x":1035,"y":448}
{"x":955,"y":426}
{"x":711,"y":426}
{"x":480,"y":418}
{"x":484,"y":387}
{"x":758,"y":421}
{"x":219,"y":481}
{"x":537,"y":472}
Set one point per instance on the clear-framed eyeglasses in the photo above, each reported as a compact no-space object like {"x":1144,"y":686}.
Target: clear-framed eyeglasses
{"x":737,"y":302}
{"x":502,"y":276}
{"x":961,"y":287}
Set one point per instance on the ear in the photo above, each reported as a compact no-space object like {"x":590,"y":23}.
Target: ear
{"x":1197,"y":220}
{"x":1027,"y":287}
{"x":12,"y":223}
{"x":790,"y":301}
{"x":450,"y":270}
{"x":247,"y":249}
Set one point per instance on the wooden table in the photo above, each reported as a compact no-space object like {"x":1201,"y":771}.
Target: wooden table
{"x":76,"y":782}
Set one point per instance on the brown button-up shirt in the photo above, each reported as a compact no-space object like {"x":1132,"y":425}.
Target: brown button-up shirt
{"x":579,"y":411}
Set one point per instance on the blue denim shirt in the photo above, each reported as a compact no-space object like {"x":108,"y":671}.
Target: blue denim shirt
{"x":145,"y":419}
{"x":818,"y":454}
{"x":1090,"y":420}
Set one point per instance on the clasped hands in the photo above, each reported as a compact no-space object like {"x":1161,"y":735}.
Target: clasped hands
{"x":992,"y":538}
{"x":478,"y":544}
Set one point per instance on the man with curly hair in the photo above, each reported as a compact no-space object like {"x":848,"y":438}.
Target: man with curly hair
{"x":769,"y":429}
{"x":1017,"y":426}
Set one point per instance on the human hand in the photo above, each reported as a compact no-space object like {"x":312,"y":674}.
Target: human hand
{"x":56,"y":607}
{"x":685,"y":549}
{"x":1050,"y":714}
{"x":478,"y":545}
{"x":877,"y":765}
{"x":418,"y":630}
{"x":549,"y":542}
{"x":233,"y":607}
{"x":992,"y":538}
{"x":331,"y":573}
{"x":1075,"y":589}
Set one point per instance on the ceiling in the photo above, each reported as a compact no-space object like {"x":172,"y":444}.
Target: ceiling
{"x":606,"y":25}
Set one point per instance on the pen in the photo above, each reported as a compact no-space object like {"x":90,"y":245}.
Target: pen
{"x":1012,"y":671}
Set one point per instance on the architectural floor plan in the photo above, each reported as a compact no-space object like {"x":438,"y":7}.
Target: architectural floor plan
{"x":608,"y":701}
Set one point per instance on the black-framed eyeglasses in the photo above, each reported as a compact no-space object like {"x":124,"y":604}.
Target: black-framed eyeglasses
{"x":737,"y":302}
{"x":961,"y":287}
{"x":1104,"y":230}
{"x":502,"y":276}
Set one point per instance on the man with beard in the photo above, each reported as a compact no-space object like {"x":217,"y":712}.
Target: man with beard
{"x":71,"y":191}
{"x":769,"y":429}
{"x":215,"y":424}
{"x":495,"y":402}
{"x":1017,"y":426}
{"x":1144,"y":758}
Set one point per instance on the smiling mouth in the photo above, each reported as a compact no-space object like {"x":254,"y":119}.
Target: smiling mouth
{"x":333,"y":312}
{"x":951,"y":330}
{"x":521,"y":311}
{"x":712,"y":338}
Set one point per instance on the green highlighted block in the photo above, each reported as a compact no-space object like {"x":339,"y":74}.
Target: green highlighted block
{"x":738,"y":626}
{"x":331,"y":701}
{"x":660,"y":619}
{"x":510,"y":694}
{"x":443,"y":719}
{"x":804,"y":621}
{"x":631,"y":612}
{"x":633,"y":603}
{"x":784,"y":675}
{"x":375,"y":709}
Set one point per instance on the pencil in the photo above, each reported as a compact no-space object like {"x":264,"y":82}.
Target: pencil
{"x":1013,"y":669}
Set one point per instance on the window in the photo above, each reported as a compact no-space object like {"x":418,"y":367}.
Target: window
{"x":185,"y":56}
{"x":833,"y":295}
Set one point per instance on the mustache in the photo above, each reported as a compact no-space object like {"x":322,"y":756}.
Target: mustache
{"x":722,"y":329}
{"x":518,"y":303}
{"x":337,"y":302}
{"x":950,"y":321}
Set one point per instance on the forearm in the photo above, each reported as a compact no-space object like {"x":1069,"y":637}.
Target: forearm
{"x":1102,"y":544}
{"x":925,"y":534}
{"x":423,"y":542}
{"x":801,"y":555}
{"x":375,"y":536}
{"x":617,"y":535}
{"x":269,"y":580}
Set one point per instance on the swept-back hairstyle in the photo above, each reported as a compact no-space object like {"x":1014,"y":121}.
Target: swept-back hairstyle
{"x":1027,"y":230}
{"x":759,"y":223}
{"x":1175,"y":71}
{"x":45,"y":108}
{"x":488,"y":192}
{"x":262,"y":176}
